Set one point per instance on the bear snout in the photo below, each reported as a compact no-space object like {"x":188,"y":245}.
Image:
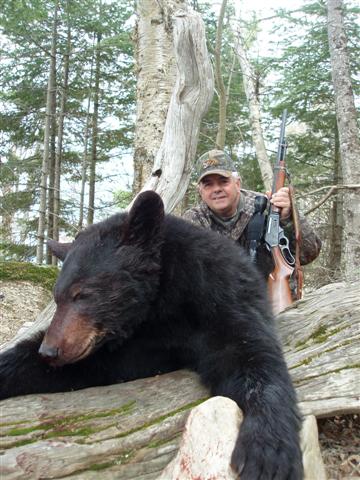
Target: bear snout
{"x":48,"y":352}
{"x":69,"y":338}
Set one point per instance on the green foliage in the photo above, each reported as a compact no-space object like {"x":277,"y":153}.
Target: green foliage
{"x":19,"y":271}
{"x":25,"y":30}
{"x":237,"y":130}
{"x":122,"y":198}
{"x":19,"y":251}
{"x":305,"y":88}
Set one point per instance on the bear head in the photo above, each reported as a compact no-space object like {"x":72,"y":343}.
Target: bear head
{"x":109,"y":277}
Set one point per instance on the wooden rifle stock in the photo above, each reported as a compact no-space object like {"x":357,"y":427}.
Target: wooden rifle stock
{"x":278,"y":282}
{"x":297,"y":230}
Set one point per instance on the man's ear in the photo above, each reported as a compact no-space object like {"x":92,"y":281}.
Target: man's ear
{"x":145,"y":219}
{"x":60,"y":250}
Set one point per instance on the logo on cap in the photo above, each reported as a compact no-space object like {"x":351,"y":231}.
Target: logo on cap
{"x":215,"y":161}
{"x":211,"y":162}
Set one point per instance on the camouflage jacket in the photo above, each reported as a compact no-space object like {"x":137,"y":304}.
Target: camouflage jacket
{"x":202,"y":215}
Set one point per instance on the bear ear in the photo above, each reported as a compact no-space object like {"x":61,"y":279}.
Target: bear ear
{"x":145,"y":219}
{"x":60,"y":250}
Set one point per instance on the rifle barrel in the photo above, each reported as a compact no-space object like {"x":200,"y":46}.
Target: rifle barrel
{"x":281,"y":151}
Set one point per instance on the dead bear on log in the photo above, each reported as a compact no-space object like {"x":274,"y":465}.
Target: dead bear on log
{"x":143,"y":293}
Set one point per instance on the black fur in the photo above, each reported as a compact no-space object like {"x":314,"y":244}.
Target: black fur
{"x":162,"y":294}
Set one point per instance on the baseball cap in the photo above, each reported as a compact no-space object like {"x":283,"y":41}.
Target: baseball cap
{"x":215,"y":161}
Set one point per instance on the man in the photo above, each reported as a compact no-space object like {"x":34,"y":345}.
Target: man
{"x":229,"y":209}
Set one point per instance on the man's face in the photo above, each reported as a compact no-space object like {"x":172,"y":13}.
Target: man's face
{"x":221,"y":194}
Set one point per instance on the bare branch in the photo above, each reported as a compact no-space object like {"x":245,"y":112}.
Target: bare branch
{"x":332,"y":190}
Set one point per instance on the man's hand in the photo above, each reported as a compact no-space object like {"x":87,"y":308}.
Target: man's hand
{"x":281,"y":199}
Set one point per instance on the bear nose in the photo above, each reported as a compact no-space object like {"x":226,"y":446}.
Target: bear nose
{"x":49,"y":352}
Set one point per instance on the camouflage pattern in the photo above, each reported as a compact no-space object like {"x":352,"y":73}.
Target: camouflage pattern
{"x":215,"y":161}
{"x":202,"y":215}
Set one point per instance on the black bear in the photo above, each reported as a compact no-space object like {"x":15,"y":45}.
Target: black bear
{"x":143,"y":293}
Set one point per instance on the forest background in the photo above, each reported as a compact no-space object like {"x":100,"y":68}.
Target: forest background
{"x":68,"y":93}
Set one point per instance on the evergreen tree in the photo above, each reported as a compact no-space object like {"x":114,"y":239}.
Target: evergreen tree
{"x":25,"y":50}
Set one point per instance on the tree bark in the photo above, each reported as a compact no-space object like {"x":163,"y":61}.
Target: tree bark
{"x":45,"y":163}
{"x":60,"y":136}
{"x":6,"y":218}
{"x":132,"y":430}
{"x":122,"y":431}
{"x":336,"y":217}
{"x":321,"y":341}
{"x":51,"y":169}
{"x":190,"y":100}
{"x":349,"y":136}
{"x":84,"y":163}
{"x":94,"y":136}
{"x":155,"y":62}
{"x":221,"y":134}
{"x":254,"y":111}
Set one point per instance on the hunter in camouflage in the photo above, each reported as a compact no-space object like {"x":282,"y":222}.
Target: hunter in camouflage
{"x":227,"y":209}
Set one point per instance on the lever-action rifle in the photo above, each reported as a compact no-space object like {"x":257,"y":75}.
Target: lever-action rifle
{"x":275,"y":239}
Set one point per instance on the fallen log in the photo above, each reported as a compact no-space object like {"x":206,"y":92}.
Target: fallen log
{"x":132,"y":430}
{"x":321,"y":341}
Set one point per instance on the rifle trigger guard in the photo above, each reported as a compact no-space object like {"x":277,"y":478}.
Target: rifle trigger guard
{"x":285,"y":249}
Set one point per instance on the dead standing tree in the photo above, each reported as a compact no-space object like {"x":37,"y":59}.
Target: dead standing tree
{"x":190,"y":99}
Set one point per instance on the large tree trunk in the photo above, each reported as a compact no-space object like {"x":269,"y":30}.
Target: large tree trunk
{"x":254,"y":111}
{"x":46,"y":154}
{"x":349,"y":137}
{"x":190,"y":100}
{"x":156,"y":69}
{"x":132,"y":430}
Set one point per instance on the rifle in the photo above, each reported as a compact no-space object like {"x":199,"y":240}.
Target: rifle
{"x":275,"y":239}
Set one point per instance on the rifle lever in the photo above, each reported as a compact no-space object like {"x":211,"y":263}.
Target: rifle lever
{"x":285,"y":249}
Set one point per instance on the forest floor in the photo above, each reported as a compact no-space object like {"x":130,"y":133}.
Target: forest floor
{"x":21,"y":302}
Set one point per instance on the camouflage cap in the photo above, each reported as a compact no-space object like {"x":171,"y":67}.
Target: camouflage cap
{"x":215,"y":161}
